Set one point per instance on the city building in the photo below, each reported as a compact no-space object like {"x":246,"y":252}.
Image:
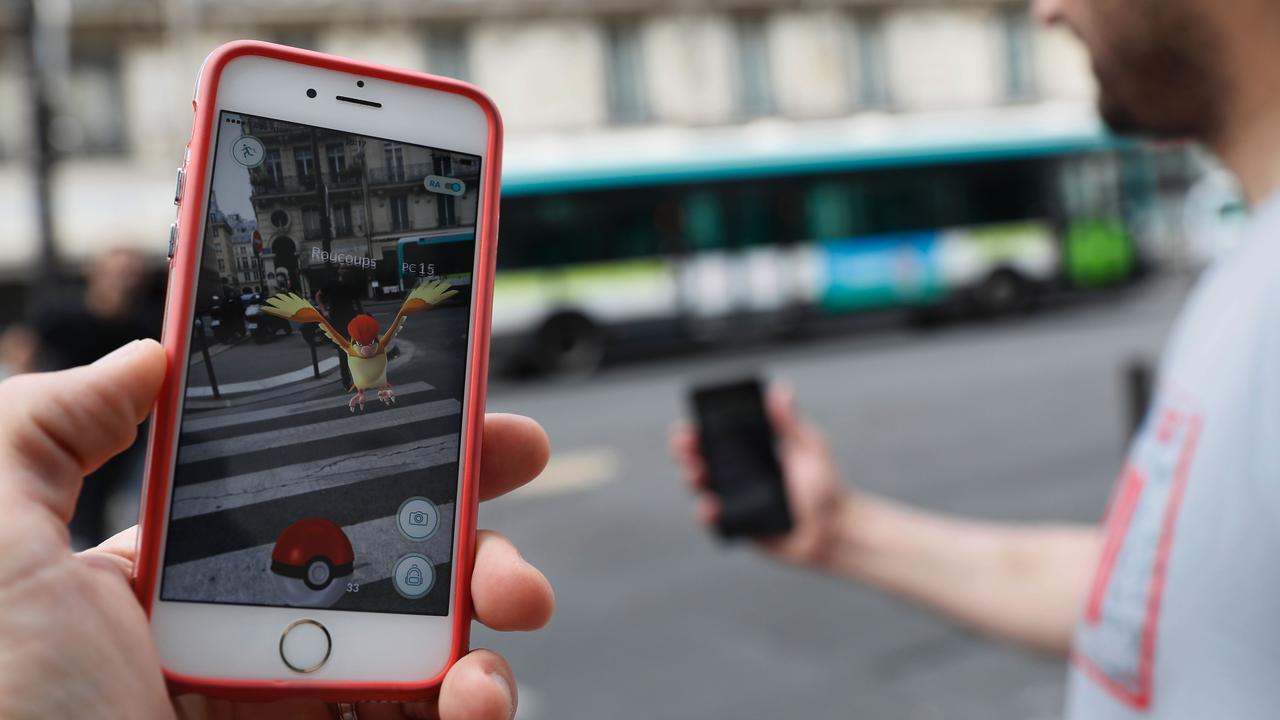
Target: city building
{"x":578,"y":82}
{"x":218,"y":234}
{"x":318,"y":193}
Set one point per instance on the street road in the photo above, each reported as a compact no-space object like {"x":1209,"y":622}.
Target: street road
{"x":1023,"y":419}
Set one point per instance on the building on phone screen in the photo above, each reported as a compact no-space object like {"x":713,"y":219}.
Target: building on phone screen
{"x":375,"y":196}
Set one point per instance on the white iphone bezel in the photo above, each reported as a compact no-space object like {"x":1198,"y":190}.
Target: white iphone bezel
{"x":238,"y":642}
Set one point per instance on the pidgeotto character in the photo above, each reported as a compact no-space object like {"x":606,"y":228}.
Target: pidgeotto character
{"x":366,"y":350}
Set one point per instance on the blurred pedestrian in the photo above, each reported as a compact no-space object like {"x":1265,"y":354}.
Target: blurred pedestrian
{"x":1169,"y":610}
{"x":73,"y":330}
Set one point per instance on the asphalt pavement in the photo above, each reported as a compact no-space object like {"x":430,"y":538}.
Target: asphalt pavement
{"x":1023,"y":419}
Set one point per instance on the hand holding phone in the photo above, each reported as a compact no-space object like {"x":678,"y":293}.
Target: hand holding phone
{"x":67,"y":612}
{"x":308,"y":524}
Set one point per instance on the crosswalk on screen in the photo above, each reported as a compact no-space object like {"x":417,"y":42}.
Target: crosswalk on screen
{"x":318,"y":453}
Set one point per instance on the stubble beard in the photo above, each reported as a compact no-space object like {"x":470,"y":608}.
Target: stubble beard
{"x":1161,"y":77}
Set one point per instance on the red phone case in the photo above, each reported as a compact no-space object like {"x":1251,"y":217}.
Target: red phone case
{"x":179,"y":307}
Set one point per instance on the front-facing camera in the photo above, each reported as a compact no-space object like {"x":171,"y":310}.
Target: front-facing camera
{"x":311,"y":92}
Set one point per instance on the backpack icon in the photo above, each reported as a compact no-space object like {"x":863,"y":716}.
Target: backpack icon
{"x":413,"y":577}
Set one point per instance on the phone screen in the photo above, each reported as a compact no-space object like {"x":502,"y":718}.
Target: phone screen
{"x":738,"y":445}
{"x":321,"y":429}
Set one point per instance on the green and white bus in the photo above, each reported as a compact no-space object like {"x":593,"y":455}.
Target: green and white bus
{"x":718,"y":245}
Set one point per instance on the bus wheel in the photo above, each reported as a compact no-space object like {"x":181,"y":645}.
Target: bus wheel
{"x":1002,"y":293}
{"x":569,"y":343}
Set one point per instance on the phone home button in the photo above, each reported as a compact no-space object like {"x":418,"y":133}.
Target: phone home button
{"x":305,"y":646}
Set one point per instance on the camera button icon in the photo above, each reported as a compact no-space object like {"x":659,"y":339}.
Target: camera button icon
{"x":418,"y":518}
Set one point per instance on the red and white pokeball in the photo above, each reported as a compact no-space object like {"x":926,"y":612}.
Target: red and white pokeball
{"x":311,"y":562}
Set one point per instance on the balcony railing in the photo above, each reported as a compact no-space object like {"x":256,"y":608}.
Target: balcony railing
{"x":265,"y":184}
{"x":339,"y":231}
{"x":396,"y":175}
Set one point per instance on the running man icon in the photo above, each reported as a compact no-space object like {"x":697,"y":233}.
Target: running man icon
{"x":248,"y":151}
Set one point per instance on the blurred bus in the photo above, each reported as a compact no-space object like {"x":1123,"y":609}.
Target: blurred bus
{"x":447,"y":256}
{"x":713,"y":247}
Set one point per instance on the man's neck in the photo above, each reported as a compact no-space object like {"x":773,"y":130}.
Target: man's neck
{"x":1250,"y":146}
{"x":1249,"y":137}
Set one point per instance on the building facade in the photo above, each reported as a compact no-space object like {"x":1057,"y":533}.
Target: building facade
{"x":319,"y":192}
{"x":572,"y":78}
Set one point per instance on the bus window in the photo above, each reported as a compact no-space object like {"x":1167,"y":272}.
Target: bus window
{"x":790,"y":207}
{"x":552,"y":230}
{"x":900,"y":202}
{"x":829,"y":214}
{"x":704,"y":223}
{"x":753,"y":220}
{"x":837,"y":208}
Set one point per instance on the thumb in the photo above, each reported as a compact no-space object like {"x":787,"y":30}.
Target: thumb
{"x":780,"y":404}
{"x":57,"y":427}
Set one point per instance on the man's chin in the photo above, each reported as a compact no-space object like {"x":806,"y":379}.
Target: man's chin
{"x":1121,"y":119}
{"x":1118,"y":120}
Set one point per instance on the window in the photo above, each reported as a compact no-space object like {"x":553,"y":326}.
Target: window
{"x":446,"y":212}
{"x":222,"y":265}
{"x":304,"y":164}
{"x":310,"y":223}
{"x":357,"y":218}
{"x":868,"y":71}
{"x":13,"y":110}
{"x":447,"y":51}
{"x":755,"y":84}
{"x":336,"y":154}
{"x":704,"y":220}
{"x":624,"y":73}
{"x":274,"y":166}
{"x":393,"y":157}
{"x":1020,"y":77}
{"x":279,"y":218}
{"x":399,"y":205}
{"x":94,"y":114}
{"x":342,"y":219}
{"x":598,"y":226}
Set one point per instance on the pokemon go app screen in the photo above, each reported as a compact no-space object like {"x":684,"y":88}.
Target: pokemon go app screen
{"x":318,"y":455}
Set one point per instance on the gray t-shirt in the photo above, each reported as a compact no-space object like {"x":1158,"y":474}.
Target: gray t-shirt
{"x":1182,"y":621}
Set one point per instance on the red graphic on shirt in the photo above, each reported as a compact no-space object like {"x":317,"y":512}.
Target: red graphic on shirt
{"x":1115,"y":644}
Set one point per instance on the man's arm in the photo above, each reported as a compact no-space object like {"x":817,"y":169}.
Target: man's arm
{"x":1019,"y":583}
{"x":1023,"y":584}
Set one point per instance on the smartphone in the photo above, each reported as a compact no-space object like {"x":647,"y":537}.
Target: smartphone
{"x":740,"y":450}
{"x":308,"y":519}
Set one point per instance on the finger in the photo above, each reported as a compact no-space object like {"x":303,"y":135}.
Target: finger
{"x":780,"y":404}
{"x":58,"y":427}
{"x":707,"y":509}
{"x":115,"y":553}
{"x":515,"y":450}
{"x":480,"y":686}
{"x":508,"y":592}
{"x":688,"y":454}
{"x":123,"y":544}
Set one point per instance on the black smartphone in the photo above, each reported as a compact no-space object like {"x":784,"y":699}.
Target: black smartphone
{"x":739,"y":447}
